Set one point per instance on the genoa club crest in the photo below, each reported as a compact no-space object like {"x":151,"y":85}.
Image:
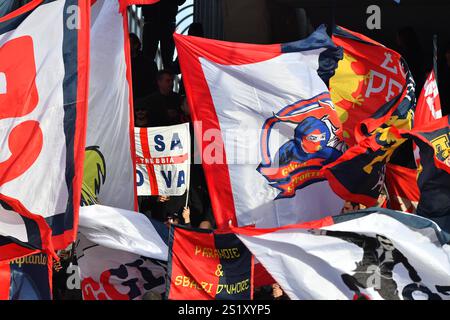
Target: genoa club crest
{"x":315,"y":142}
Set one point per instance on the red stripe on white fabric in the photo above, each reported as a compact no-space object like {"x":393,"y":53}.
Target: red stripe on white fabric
{"x":15,"y":251}
{"x":252,"y":231}
{"x":130,"y":92}
{"x":190,"y":50}
{"x":143,"y":134}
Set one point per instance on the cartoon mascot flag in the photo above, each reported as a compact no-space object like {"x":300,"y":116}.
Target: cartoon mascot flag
{"x":266,"y":123}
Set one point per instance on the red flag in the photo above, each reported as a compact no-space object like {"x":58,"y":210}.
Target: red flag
{"x":43,"y":108}
{"x":429,"y":104}
{"x":373,"y":91}
{"x":206,"y":265}
{"x":261,"y":277}
{"x":401,"y":182}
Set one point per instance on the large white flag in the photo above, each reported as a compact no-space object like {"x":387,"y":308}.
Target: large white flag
{"x":121,"y":254}
{"x":163,"y":160}
{"x":43,"y":99}
{"x":266,"y":123}
{"x":109,"y":164}
{"x":369,"y":254}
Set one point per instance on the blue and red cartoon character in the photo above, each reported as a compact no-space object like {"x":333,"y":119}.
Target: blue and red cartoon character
{"x":310,"y":141}
{"x":317,"y":141}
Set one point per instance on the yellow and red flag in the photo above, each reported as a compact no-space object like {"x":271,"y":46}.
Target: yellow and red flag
{"x":371,"y":86}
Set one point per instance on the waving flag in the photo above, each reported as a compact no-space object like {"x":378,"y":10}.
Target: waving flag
{"x":428,"y":107}
{"x":110,"y":125}
{"x":206,"y":265}
{"x":367,"y":161}
{"x":110,"y":177}
{"x":43,"y":100}
{"x":371,"y":85}
{"x":433,"y":141}
{"x":121,"y":254}
{"x":21,"y":232}
{"x":108,"y":274}
{"x":373,"y":91}
{"x":163,"y":160}
{"x":359,"y":175}
{"x":372,"y":254}
{"x":265,"y":126}
{"x":429,"y":104}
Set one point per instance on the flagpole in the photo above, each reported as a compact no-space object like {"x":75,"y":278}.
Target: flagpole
{"x":187,"y":185}
{"x":435,"y":56}
{"x":188,"y":180}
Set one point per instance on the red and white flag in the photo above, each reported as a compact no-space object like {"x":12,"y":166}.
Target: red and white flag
{"x":163,"y":160}
{"x":429,"y":104}
{"x":121,"y":254}
{"x":265,"y":126}
{"x":44,"y":54}
{"x":428,"y":107}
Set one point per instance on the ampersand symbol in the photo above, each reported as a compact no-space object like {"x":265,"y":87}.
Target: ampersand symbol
{"x":219,"y":271}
